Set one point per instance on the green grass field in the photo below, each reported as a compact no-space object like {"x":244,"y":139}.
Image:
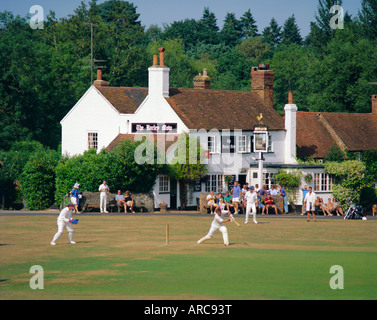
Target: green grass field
{"x":126,"y":257}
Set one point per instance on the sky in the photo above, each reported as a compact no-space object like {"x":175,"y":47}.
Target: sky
{"x":160,"y":12}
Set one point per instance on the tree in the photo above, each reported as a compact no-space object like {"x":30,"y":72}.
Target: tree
{"x":335,"y":155}
{"x":186,"y":165}
{"x":368,"y":18}
{"x":181,"y":72}
{"x":291,"y":32}
{"x":272,"y":34}
{"x":248,"y":26}
{"x":370,"y":161}
{"x":186,"y":30}
{"x":208,"y":31}
{"x":38,"y":179}
{"x":349,"y":180}
{"x":231,"y":30}
{"x":253,"y":48}
{"x":320,"y":30}
{"x":290,"y":64}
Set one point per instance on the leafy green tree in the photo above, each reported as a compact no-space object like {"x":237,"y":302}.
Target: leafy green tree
{"x":368,"y":18}
{"x":335,"y":155}
{"x":248,"y":26}
{"x":291,"y":32}
{"x":13,"y":162}
{"x":208,"y":31}
{"x":186,"y":30}
{"x":186,"y":165}
{"x":290,"y":64}
{"x":181,"y":71}
{"x":349,"y":180}
{"x":38,"y":179}
{"x":253,"y":48}
{"x":370,"y":161}
{"x":231,"y":31}
{"x":338,"y":81}
{"x":272,"y":34}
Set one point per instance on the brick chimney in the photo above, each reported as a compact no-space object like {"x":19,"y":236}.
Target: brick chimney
{"x":158,"y":80}
{"x":374,"y":104}
{"x":262,"y":81}
{"x":99,"y":82}
{"x":202,"y":81}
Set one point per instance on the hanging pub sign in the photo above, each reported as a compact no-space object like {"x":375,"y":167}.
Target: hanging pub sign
{"x":154,"y":128}
{"x":260,"y":138}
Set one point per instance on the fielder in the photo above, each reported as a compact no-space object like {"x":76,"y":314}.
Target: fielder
{"x":251,"y":200}
{"x":65,"y":220}
{"x":217,"y":224}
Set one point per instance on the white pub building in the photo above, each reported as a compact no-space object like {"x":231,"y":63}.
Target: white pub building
{"x":223,"y":120}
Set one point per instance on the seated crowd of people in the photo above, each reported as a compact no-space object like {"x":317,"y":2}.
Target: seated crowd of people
{"x":235,"y":202}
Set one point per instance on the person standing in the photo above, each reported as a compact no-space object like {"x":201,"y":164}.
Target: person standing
{"x":251,"y":201}
{"x":75,"y":196}
{"x":309,"y":203}
{"x":65,"y":220}
{"x":282,"y":192}
{"x":217,"y":224}
{"x":236,"y":196}
{"x":104,"y":189}
{"x":304,"y":193}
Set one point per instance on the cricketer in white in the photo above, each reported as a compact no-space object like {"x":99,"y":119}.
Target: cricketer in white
{"x":64,"y":219}
{"x":251,"y":200}
{"x":217,"y":224}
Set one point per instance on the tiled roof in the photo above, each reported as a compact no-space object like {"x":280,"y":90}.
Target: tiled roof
{"x":124,"y":99}
{"x":222,"y":109}
{"x":358,"y":131}
{"x":318,"y":132}
{"x":203,"y":109}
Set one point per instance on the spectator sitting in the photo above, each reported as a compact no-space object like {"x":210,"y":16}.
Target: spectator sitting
{"x":211,"y":202}
{"x":228,"y":200}
{"x":260,"y":206}
{"x":323,"y":207}
{"x":269,"y":203}
{"x":317,"y":206}
{"x":337,"y":208}
{"x":129,"y":202}
{"x":121,"y":200}
{"x":263,"y":191}
{"x":329,"y":207}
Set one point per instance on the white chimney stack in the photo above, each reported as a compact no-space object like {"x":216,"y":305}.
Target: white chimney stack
{"x":158,"y":82}
{"x":290,"y":127}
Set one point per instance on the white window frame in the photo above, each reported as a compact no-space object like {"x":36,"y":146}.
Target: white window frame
{"x":215,"y":183}
{"x":212,"y":145}
{"x":163,"y":184}
{"x":269,"y":148}
{"x":323,"y":182}
{"x":92,"y":140}
{"x":244,"y":144}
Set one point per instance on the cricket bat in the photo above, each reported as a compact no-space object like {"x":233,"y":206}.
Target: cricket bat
{"x":234,"y":220}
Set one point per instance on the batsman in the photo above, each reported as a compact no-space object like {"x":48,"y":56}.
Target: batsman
{"x":217,"y":224}
{"x":65,"y":220}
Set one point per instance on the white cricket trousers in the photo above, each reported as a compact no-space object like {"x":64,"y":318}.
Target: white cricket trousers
{"x":61,"y":225}
{"x":222,"y":229}
{"x":251,"y":208}
{"x":103,"y":202}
